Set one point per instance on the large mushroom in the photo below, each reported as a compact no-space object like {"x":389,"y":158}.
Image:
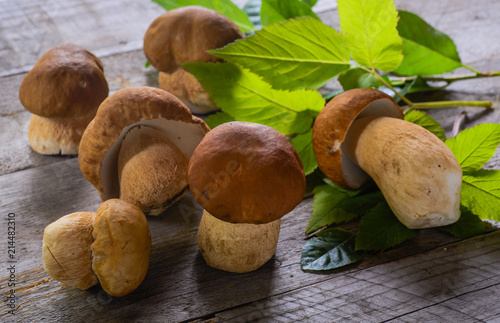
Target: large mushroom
{"x":184,"y":35}
{"x":63,"y":91}
{"x":137,"y":148}
{"x":246,"y":176}
{"x":360,"y":134}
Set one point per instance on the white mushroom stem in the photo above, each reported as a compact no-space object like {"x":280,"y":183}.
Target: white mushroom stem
{"x":417,"y":173}
{"x":236,"y":247}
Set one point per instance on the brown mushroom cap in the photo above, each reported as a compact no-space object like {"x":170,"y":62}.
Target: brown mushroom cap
{"x":121,"y":247}
{"x":119,"y":113}
{"x":68,"y":81}
{"x":332,"y":124}
{"x":66,"y":252}
{"x":185,"y":34}
{"x":244,"y":172}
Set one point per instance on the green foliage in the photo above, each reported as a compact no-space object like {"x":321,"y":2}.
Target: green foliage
{"x":358,"y":78}
{"x":481,"y":193}
{"x":299,"y":53}
{"x":467,"y":226}
{"x":273,"y":11}
{"x":330,"y":249}
{"x":380,"y":229}
{"x":427,"y":51}
{"x":303,"y":145}
{"x":369,"y":30}
{"x":427,"y":122}
{"x":333,"y":204}
{"x":475,"y":146}
{"x":225,"y":7}
{"x":218,"y":118}
{"x":245,"y":96}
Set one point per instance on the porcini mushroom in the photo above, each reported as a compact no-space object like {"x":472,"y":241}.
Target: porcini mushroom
{"x":137,"y":148}
{"x":360,"y":134}
{"x":63,"y":91}
{"x":246,"y":176}
{"x":184,"y":35}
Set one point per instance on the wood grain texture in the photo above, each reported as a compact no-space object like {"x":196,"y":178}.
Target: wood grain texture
{"x":433,"y":277}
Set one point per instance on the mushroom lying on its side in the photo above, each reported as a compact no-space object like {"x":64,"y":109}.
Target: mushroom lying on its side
{"x":138,"y":146}
{"x":360,"y":134}
{"x":246,"y":176}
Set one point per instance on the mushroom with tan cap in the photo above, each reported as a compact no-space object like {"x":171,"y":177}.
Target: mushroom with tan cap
{"x":360,"y":134}
{"x":184,"y":35}
{"x":246,"y":176}
{"x":63,"y":91}
{"x":137,"y":148}
{"x":111,"y":247}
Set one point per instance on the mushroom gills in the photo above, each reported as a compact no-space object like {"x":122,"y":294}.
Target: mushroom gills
{"x":152,"y":170}
{"x":417,"y":173}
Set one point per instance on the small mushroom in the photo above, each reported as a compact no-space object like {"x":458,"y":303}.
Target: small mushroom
{"x":246,"y":176}
{"x":111,"y":247}
{"x":121,"y":247}
{"x":184,"y":35}
{"x":63,"y":91}
{"x":66,"y":252}
{"x":360,"y":134}
{"x":137,"y":148}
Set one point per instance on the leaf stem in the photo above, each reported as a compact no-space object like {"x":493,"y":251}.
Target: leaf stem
{"x":402,"y":97}
{"x":449,"y":79}
{"x":451,"y":104}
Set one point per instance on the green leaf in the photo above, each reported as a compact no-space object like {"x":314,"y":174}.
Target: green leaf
{"x":273,"y":11}
{"x":333,"y":204}
{"x":303,"y":145}
{"x":369,"y":30}
{"x":481,"y":193}
{"x":475,"y":146}
{"x":358,"y":78}
{"x":310,"y":3}
{"x":298,"y":53}
{"x":426,"y":50}
{"x":467,"y":226}
{"x":330,"y":249}
{"x":246,"y":97}
{"x":217,"y":119}
{"x":224,"y":7}
{"x":425,"y":121}
{"x":380,"y":229}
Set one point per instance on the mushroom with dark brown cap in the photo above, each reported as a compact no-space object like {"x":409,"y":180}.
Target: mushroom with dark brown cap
{"x":184,"y":35}
{"x":137,"y":148}
{"x":246,"y":176}
{"x":63,"y":91}
{"x":360,"y":134}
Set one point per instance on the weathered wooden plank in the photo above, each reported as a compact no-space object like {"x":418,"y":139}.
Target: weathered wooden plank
{"x":458,"y":282}
{"x":178,"y":278}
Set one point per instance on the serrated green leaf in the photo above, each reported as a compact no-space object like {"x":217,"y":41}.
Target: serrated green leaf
{"x":369,"y":31}
{"x":475,"y":146}
{"x":358,"y":78}
{"x":298,"y":53}
{"x":303,"y":145}
{"x":426,"y":50}
{"x":217,"y":119}
{"x":252,"y":9}
{"x":426,"y":121}
{"x":380,"y":229}
{"x":333,"y":204}
{"x":467,"y":226}
{"x":481,"y":193}
{"x":246,"y":97}
{"x":224,"y":7}
{"x":310,"y":3}
{"x":330,"y":249}
{"x":273,"y":11}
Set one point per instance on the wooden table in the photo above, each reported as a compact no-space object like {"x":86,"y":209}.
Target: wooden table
{"x":433,"y":278}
